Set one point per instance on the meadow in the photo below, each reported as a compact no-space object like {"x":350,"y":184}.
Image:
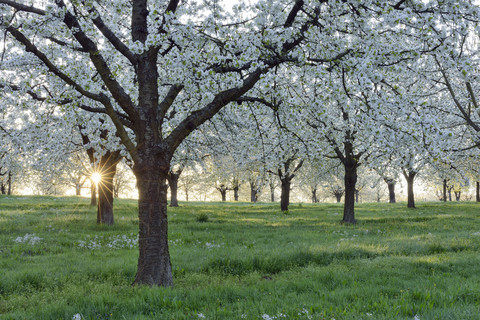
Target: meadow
{"x":242,"y":261}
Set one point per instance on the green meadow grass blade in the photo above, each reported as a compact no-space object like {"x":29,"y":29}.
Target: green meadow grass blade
{"x":242,"y":261}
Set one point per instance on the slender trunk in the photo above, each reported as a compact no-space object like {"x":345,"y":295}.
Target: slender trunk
{"x":457,"y":195}
{"x":154,"y":266}
{"x":350,"y":182}
{"x":410,"y":177}
{"x":444,"y":190}
{"x":356,"y":195}
{"x":391,"y":192}
{"x":235,"y":193}
{"x":478,"y":191}
{"x":78,"y":189}
{"x":272,"y":193}
{"x":449,"y":194}
{"x":93,"y":195}
{"x":285,"y":196}
{"x":3,"y":189}
{"x":9,"y":182}
{"x":105,"y":196}
{"x":314,"y":195}
{"x":173,"y":178}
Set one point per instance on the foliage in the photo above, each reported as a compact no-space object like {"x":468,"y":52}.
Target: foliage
{"x":248,"y":261}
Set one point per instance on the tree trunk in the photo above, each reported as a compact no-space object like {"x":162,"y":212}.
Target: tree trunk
{"x":154,"y":267}
{"x":338,"y":196}
{"x":478,"y":191}
{"x":314,"y":196}
{"x":391,"y":192}
{"x":173,"y":178}
{"x":78,"y":189}
{"x":410,"y":177}
{"x":449,"y":194}
{"x":350,"y":182}
{"x":253,"y":194}
{"x":272,"y":193}
{"x":285,"y":196}
{"x":235,"y":193}
{"x":2,"y":188}
{"x":356,"y":195}
{"x":93,"y":195}
{"x":223,"y":192}
{"x":9,"y":182}
{"x":444,"y":190}
{"x":457,"y":195}
{"x":105,"y":194}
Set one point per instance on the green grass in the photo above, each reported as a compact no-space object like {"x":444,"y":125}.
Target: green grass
{"x":242,"y":261}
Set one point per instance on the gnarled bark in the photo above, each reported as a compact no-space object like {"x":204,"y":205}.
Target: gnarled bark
{"x":173,"y":177}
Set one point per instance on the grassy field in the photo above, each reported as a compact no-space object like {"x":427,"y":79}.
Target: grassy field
{"x":244,"y":262}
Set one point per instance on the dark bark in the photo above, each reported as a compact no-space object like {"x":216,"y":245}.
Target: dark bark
{"x":223,"y":191}
{"x":314,"y":195}
{"x":391,"y":190}
{"x":93,"y":195}
{"x":357,"y":192}
{"x":2,"y":188}
{"x":154,"y":266}
{"x":478,"y":191}
{"x":444,"y":190}
{"x":450,"y":193}
{"x":9,"y":183}
{"x":338,"y":196}
{"x":350,"y":182}
{"x":254,"y":190}
{"x":272,"y":192}
{"x":173,"y":177}
{"x":285,"y":196}
{"x":108,"y":168}
{"x":235,"y":188}
{"x":410,"y":177}
{"x":457,"y":195}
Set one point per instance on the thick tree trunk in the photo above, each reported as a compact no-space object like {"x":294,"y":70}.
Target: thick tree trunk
{"x":391,"y":192}
{"x":478,"y":192}
{"x":410,"y":177}
{"x":3,"y":190}
{"x":285,"y":196}
{"x":235,"y":193}
{"x":173,"y":178}
{"x":253,"y":194}
{"x":224,"y":195}
{"x":105,"y":195}
{"x":350,"y":182}
{"x":444,"y":190}
{"x":338,"y":196}
{"x":93,"y":195}
{"x":154,"y":267}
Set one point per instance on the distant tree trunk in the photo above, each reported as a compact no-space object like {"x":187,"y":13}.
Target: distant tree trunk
{"x":356,"y":195}
{"x":108,"y":168}
{"x":391,"y":190}
{"x":444,"y":190}
{"x":235,"y":188}
{"x":253,"y":195}
{"x":2,"y":188}
{"x":93,"y":195}
{"x":457,"y":195}
{"x":478,"y":191}
{"x":9,"y":182}
{"x":78,"y":189}
{"x":410,"y":176}
{"x":338,"y":196}
{"x":223,"y":191}
{"x":285,"y":196}
{"x":450,"y":194}
{"x":314,"y":195}
{"x":272,"y":192}
{"x":173,"y":177}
